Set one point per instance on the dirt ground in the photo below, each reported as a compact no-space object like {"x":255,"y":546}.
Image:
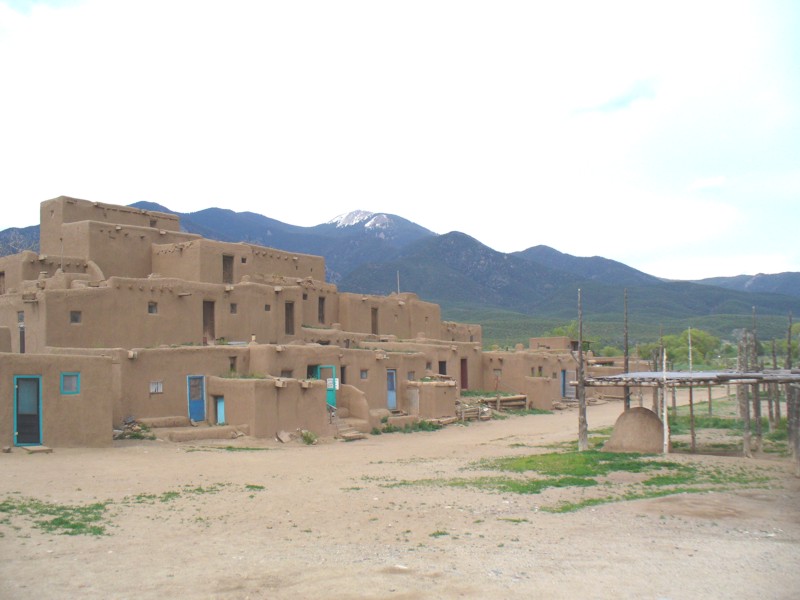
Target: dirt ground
{"x":335,"y":520}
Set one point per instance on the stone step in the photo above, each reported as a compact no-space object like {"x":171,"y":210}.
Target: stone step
{"x":189,"y":434}
{"x":350,"y":435}
{"x":165,"y":422}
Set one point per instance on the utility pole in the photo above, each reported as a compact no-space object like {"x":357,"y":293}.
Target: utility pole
{"x":583,"y":429}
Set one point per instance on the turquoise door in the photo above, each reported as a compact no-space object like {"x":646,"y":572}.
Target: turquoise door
{"x":391,"y":389}
{"x":196,"y":392}
{"x":328,"y":373}
{"x":27,"y":410}
{"x":219,"y":402}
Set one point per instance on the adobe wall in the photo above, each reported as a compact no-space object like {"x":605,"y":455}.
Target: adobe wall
{"x":559,"y":343}
{"x":29,"y":266}
{"x":435,"y":352}
{"x":68,"y":420}
{"x":402,"y":315}
{"x":269,"y":406}
{"x":202,"y":260}
{"x":365,"y":370}
{"x":118,"y":250}
{"x":27,"y":304}
{"x":461,"y":332}
{"x":58,"y":211}
{"x":171,"y":367}
{"x":431,"y":399}
{"x":5,"y":339}
{"x":513,"y":371}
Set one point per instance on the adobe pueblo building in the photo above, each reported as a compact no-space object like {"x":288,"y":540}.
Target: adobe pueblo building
{"x":122,"y":315}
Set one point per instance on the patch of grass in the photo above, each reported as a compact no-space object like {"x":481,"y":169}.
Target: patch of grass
{"x":243,"y":449}
{"x":517,"y":486}
{"x":483,"y":394}
{"x":62,"y":519}
{"x":438,"y":533}
{"x":252,"y":487}
{"x":511,"y":520}
{"x":528,"y":411}
{"x":309,"y":437}
{"x":408,"y":427}
{"x":577,"y":464}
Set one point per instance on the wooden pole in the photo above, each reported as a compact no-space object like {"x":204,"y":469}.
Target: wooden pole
{"x":709,"y":401}
{"x":627,"y":389}
{"x":664,"y":416}
{"x":744,"y":407}
{"x":771,"y":391}
{"x":583,"y":429}
{"x":756,"y":390}
{"x":691,"y":418}
{"x":674,"y":402}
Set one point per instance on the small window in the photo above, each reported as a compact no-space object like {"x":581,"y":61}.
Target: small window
{"x":75,"y":316}
{"x":412,"y":375}
{"x":287,"y":373}
{"x":442,"y":367}
{"x":156,"y":387}
{"x":305,"y":296}
{"x":244,"y":260}
{"x":153,"y":223}
{"x":21,"y":316}
{"x":232,"y":364}
{"x":428,"y":366}
{"x":234,"y":308}
{"x":152,"y":308}
{"x":70,"y":383}
{"x":541,"y":372}
{"x":267,"y":308}
{"x":364,"y":373}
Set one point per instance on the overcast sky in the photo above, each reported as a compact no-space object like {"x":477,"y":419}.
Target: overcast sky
{"x":665,"y":135}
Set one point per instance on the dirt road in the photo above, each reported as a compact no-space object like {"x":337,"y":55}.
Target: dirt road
{"x":357,"y":520}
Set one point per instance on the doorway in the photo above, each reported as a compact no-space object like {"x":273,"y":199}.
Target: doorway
{"x":196,"y":394}
{"x":27,"y":410}
{"x":391,"y":389}
{"x":328,"y":373}
{"x":209,"y":331}
{"x":219,"y":405}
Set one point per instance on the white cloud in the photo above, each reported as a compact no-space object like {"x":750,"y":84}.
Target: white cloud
{"x":458,"y":115}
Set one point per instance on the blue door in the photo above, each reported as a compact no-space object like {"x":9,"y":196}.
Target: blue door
{"x":196,"y":392}
{"x":391,"y":389}
{"x":328,"y":373}
{"x":219,"y":402}
{"x":27,"y":410}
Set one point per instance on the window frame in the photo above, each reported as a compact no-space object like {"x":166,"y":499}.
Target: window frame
{"x":66,"y":374}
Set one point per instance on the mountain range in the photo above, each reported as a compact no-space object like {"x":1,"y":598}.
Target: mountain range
{"x":524,"y":292}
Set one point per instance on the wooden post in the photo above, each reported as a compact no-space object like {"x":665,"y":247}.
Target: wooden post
{"x":583,"y":429}
{"x":756,"y":391}
{"x":691,"y":418}
{"x":771,"y":391}
{"x":674,"y":402}
{"x":626,"y":389}
{"x":664,"y":416}
{"x":744,"y":410}
{"x":709,"y":400}
{"x":757,"y":417}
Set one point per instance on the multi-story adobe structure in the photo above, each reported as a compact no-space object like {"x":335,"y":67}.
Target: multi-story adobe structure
{"x":121,"y":314}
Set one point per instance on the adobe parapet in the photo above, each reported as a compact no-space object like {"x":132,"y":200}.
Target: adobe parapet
{"x":58,"y":211}
{"x":211,"y":261}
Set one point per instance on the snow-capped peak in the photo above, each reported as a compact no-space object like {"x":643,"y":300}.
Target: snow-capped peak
{"x":373,"y":220}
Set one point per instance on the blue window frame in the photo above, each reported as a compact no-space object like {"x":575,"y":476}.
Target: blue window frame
{"x":70,"y":383}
